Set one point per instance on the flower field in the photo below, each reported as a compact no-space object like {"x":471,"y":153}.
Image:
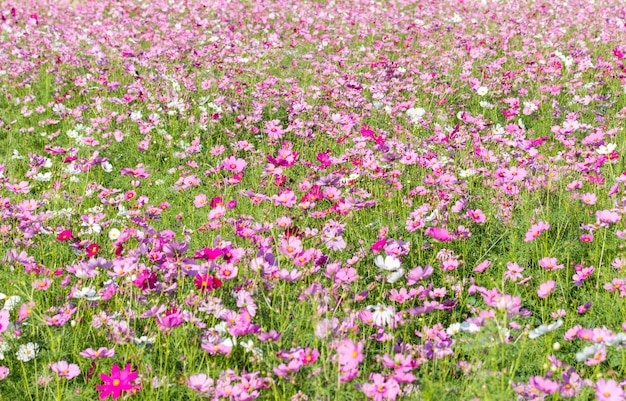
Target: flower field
{"x":312,"y":200}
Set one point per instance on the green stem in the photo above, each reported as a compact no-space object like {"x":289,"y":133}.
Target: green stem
{"x":58,"y":388}
{"x":600,"y":260}
{"x":26,"y":386}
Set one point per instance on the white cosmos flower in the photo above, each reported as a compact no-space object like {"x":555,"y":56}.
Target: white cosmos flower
{"x":467,"y":173}
{"x":469,"y":327}
{"x":416,"y":113}
{"x":544,"y":328}
{"x":4,"y":347}
{"x":11,"y":302}
{"x":617,"y":339}
{"x":27,"y":352}
{"x":482,"y":91}
{"x":91,"y":225}
{"x":88,"y":293}
{"x":221,"y":328}
{"x":250,"y":347}
{"x":606,"y":150}
{"x":395,"y":276}
{"x":389,"y":262}
{"x":432,"y":216}
{"x":114,"y":234}
{"x":588,"y":352}
{"x":454,"y":329}
{"x":382,"y":315}
{"x":43,"y":176}
{"x":247,"y":345}
{"x":144,"y":340}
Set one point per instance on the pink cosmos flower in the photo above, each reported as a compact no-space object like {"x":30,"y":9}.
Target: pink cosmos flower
{"x":4,"y":372}
{"x":597,"y":357}
{"x":550,"y":264}
{"x":572,"y":333}
{"x":513,"y":272}
{"x":535,"y":231}
{"x":200,"y":200}
{"x":231,"y":163}
{"x":381,"y":389}
{"x":417,"y":274}
{"x":22,"y":188}
{"x":350,"y":354}
{"x":609,"y":390}
{"x":117,"y":382}
{"x":589,"y":198}
{"x":544,"y":385}
{"x":64,"y":369}
{"x":172,"y":318}
{"x":477,"y":215}
{"x":41,"y":284}
{"x":102,"y":352}
{"x":586,"y":238}
{"x":200,"y":382}
{"x":607,"y":216}
{"x":273,"y":129}
{"x":209,"y":253}
{"x":217,"y":213}
{"x":546,"y":288}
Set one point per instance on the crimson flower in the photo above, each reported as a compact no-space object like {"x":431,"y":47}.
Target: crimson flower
{"x":117,"y":382}
{"x":92,"y":249}
{"x":204,"y":282}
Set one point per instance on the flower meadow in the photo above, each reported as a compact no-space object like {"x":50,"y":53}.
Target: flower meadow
{"x":312,"y":200}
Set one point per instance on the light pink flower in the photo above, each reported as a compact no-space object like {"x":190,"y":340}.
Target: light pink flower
{"x":535,"y":231}
{"x":64,"y":369}
{"x":609,"y":390}
{"x":589,"y":198}
{"x":381,"y":389}
{"x":350,"y":354}
{"x":200,"y":200}
{"x":550,"y":264}
{"x":546,"y":288}
{"x":607,"y":216}
{"x":4,"y":372}
{"x":102,"y":352}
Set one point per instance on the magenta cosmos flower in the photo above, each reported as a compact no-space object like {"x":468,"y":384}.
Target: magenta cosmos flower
{"x":4,"y":320}
{"x":438,"y":233}
{"x":116,"y":383}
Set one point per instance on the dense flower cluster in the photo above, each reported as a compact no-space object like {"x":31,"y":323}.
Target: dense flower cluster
{"x":235,"y":200}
